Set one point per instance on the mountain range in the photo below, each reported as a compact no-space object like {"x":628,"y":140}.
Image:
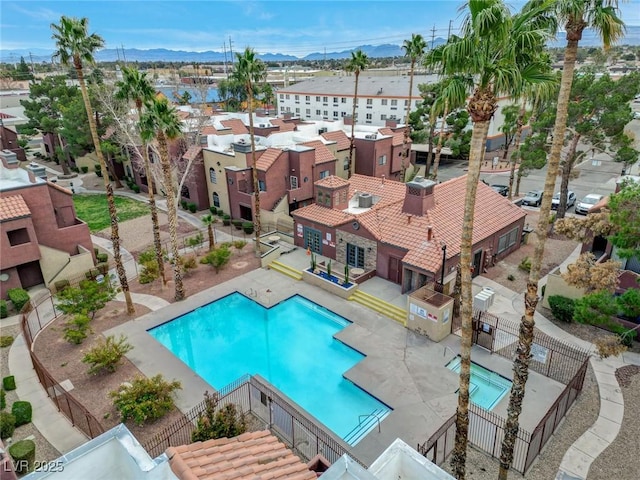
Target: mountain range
{"x":589,"y":39}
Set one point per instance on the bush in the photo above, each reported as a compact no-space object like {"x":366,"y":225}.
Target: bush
{"x":218,"y":257}
{"x":247,"y":227}
{"x":220,"y":213}
{"x":6,"y":340}
{"x":3,"y":309}
{"x":23,"y":453}
{"x":149,"y":272}
{"x":87,"y":298}
{"x":226,"y":422}
{"x":239,"y":244}
{"x":562,"y":307}
{"x":22,"y":411}
{"x":525,"y":264}
{"x":237,"y":223}
{"x":97,"y":169}
{"x":7,"y":424}
{"x":146,"y":399}
{"x":77,"y":329}
{"x":3,"y":399}
{"x":183,"y":204}
{"x":192,"y":207}
{"x":102,"y":257}
{"x":213,"y":210}
{"x":147,"y":256}
{"x":188,"y":263}
{"x":61,"y":285}
{"x":9,"y":383}
{"x":106,"y":354}
{"x":18,"y":296}
{"x":135,"y":188}
{"x":84,"y":169}
{"x":226,"y":220}
{"x":103,"y":268}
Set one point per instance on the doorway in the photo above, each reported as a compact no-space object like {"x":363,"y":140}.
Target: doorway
{"x":312,"y":240}
{"x":30,"y":274}
{"x":477,"y":264}
{"x":395,"y":270}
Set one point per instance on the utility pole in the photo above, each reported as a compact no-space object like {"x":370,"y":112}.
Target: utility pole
{"x":224,"y":48}
{"x":118,"y":53}
{"x":433,"y":36}
{"x":449,"y":32}
{"x":231,"y":49}
{"x":123,"y":56}
{"x":325,"y":58}
{"x":33,"y":68}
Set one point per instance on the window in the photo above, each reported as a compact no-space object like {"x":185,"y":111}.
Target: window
{"x":355,"y":256}
{"x":345,"y":165}
{"x":394,"y":103}
{"x":325,"y":99}
{"x":383,"y":116}
{"x":308,"y":111}
{"x":297,"y":111}
{"x":294,"y":182}
{"x":336,"y":115}
{"x":282,"y":96}
{"x":297,"y":98}
{"x":317,"y":99}
{"x":392,"y":117}
{"x":324,"y":174}
{"x":212,"y":175}
{"x":282,"y":109}
{"x":508,"y":240}
{"x":335,"y":99}
{"x":325,"y":113}
{"x":262,"y":185}
{"x":18,"y":237}
{"x":320,"y":198}
{"x":216,"y":200}
{"x":406,"y":102}
{"x":384,"y":101}
{"x":307,"y":98}
{"x":369,"y":116}
{"x":318,"y":112}
{"x":286,"y":96}
{"x":369,"y":101}
{"x":343,"y":100}
{"x":382,"y":160}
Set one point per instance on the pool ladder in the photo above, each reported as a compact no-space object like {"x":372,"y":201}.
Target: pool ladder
{"x":364,"y":426}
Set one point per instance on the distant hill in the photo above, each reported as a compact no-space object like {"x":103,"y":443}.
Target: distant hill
{"x":589,"y":39}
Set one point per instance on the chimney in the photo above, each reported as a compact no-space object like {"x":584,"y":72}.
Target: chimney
{"x":419,"y":197}
{"x":382,"y":179}
{"x":409,"y":219}
{"x":429,"y":233}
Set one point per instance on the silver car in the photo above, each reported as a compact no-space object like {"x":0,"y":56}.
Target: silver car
{"x":533,"y":198}
{"x":555,"y":201}
{"x":587,"y":202}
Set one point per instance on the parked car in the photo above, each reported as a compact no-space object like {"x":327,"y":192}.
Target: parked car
{"x":555,"y":201}
{"x":533,"y":198}
{"x":501,"y":189}
{"x":587,"y":202}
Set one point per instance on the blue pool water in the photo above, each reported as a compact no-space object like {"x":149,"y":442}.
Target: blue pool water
{"x":486,"y":388}
{"x":291,"y":345}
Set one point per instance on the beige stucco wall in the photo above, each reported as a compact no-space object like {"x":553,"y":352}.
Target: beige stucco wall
{"x":88,"y":160}
{"x":557,"y":286}
{"x":211,"y":159}
{"x":57,"y":265}
{"x":429,"y":320}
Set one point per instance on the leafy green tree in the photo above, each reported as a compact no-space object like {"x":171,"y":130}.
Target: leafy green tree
{"x":22,"y":71}
{"x":87,"y":298}
{"x":75,"y":47}
{"x":74,"y":128}
{"x":359,"y":61}
{"x":624,"y":213}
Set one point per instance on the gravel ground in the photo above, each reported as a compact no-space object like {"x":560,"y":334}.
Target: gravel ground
{"x":44,"y":450}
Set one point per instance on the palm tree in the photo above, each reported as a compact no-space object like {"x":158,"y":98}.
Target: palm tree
{"x":76,"y":47}
{"x":160,"y":121}
{"x":359,"y":62}
{"x":250,"y":71}
{"x":492,"y":50}
{"x":136,"y":87}
{"x":208,"y":221}
{"x":414,"y":49}
{"x":602,"y":17}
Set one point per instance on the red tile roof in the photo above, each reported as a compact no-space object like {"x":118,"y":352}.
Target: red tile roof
{"x":398,"y":136}
{"x":324,"y":215}
{"x":284,"y":126}
{"x":183,"y":115}
{"x":250,"y":456}
{"x":208,"y":130}
{"x":268,"y":158}
{"x":236,"y":126}
{"x":13,"y":207}
{"x":339,"y":137}
{"x":192,"y":152}
{"x":323,"y":154}
{"x":332,"y":181}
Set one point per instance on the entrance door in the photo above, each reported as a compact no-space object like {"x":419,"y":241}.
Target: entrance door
{"x":483,"y":332}
{"x":246,"y":213}
{"x":477,"y":264}
{"x":395,"y":270}
{"x":355,"y":256}
{"x":30,"y":274}
{"x":313,"y":240}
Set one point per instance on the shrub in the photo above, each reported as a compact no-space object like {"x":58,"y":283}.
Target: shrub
{"x":626,"y":335}
{"x":3,"y":309}
{"x":192,"y":207}
{"x":77,"y":329}
{"x":596,"y":309}
{"x":87,"y":298}
{"x":147,"y":256}
{"x":239,"y":244}
{"x":103,"y":268}
{"x":6,"y":340}
{"x":226,"y":422}
{"x":218,"y":257}
{"x":102,"y":257}
{"x":22,"y":411}
{"x":7,"y":424}
{"x":135,"y":188}
{"x":98,"y":170}
{"x":149,"y":272}
{"x":3,"y":399}
{"x":188,"y":263}
{"x":226,"y":220}
{"x":9,"y":383}
{"x":183,"y":204}
{"x":562,"y":307}
{"x":18,"y":296}
{"x":107,"y":353}
{"x":237,"y":223}
{"x":196,"y":241}
{"x":23,"y":453}
{"x":525,"y":264}
{"x":220,"y":213}
{"x":146,"y":399}
{"x":84,"y":169}
{"x":247,"y":227}
{"x":511,"y":277}
{"x":61,"y":285}
{"x":96,"y":251}
{"x":213,"y":210}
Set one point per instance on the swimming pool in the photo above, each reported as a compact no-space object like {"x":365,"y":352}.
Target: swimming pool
{"x":291,"y":345}
{"x":486,"y":388}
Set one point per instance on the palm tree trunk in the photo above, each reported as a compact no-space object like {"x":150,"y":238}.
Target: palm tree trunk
{"x":566,"y":173}
{"x":172,"y":216}
{"x":113,"y":214}
{"x":520,"y":123}
{"x":459,"y":457}
{"x":212,"y":238}
{"x":436,"y":161}
{"x":407,"y":131}
{"x":64,"y":161}
{"x":527,"y":324}
{"x":257,"y":226}
{"x":352,"y":167}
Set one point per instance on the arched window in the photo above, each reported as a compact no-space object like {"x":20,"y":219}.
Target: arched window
{"x":212,"y":175}
{"x":216,"y":200}
{"x":185,"y":192}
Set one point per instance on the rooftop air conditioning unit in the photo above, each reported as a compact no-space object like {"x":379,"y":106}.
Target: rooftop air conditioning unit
{"x":365,"y":200}
{"x":373,"y":136}
{"x":263,"y":125}
{"x":322,"y":130}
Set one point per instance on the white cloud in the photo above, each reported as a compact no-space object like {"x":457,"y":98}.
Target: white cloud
{"x":45,"y":14}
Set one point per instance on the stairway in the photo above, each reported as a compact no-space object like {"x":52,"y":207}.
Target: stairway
{"x":385,"y":308}
{"x":286,"y":270}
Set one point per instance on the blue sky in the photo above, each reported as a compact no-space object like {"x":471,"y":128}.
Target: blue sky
{"x":295,"y":27}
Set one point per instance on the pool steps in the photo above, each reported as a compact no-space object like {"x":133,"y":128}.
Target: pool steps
{"x":385,"y":308}
{"x":366,"y":423}
{"x":286,"y":270}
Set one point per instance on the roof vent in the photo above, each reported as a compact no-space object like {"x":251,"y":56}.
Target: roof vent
{"x":372,"y":136}
{"x":365,"y":200}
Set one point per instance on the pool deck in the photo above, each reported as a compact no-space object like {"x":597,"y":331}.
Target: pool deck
{"x":404,"y":370}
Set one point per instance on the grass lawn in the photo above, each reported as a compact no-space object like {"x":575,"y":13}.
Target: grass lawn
{"x":94,"y":211}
